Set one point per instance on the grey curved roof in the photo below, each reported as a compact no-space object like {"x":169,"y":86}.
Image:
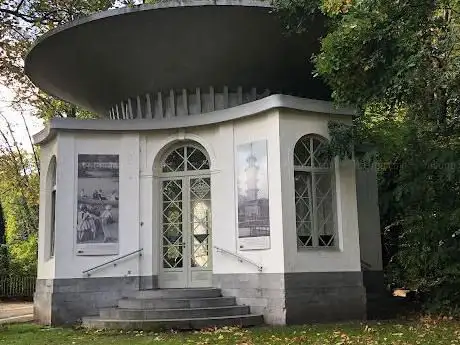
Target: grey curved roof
{"x":242,"y":111}
{"x":100,"y":60}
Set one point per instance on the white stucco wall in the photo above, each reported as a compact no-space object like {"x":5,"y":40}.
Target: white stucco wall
{"x":67,"y":263}
{"x":139,"y":195}
{"x":294,"y":125}
{"x":46,"y":264}
{"x":220,"y":142}
{"x":262,"y":127}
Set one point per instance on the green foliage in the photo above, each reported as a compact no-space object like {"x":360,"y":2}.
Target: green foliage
{"x":2,"y":226}
{"x":48,"y":107}
{"x":297,"y":15}
{"x":22,"y":231}
{"x":4,"y":258}
{"x":23,"y":256}
{"x":19,"y":192}
{"x":21,"y":23}
{"x":398,"y":62}
{"x":343,"y":140}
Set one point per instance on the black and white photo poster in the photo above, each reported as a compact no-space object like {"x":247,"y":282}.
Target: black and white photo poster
{"x":253,"y":198}
{"x":97,"y":230}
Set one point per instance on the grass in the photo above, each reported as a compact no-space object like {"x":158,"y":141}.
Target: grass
{"x":424,"y":331}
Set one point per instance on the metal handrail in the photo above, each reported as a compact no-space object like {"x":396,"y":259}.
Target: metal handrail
{"x":239,"y":257}
{"x":113,"y":261}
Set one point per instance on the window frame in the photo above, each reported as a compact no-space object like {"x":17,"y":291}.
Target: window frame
{"x":186,"y":144}
{"x":313,"y":172}
{"x":52,"y":195}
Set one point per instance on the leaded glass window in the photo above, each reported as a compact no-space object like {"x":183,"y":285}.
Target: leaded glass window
{"x":186,"y":209}
{"x":314,"y":194}
{"x":200,"y":221}
{"x":185,"y":158}
{"x":172,"y":224}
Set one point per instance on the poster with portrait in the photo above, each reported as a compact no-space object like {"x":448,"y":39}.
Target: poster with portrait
{"x":253,"y":197}
{"x":97,"y":230}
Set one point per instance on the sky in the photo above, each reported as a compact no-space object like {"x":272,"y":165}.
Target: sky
{"x":14,"y":118}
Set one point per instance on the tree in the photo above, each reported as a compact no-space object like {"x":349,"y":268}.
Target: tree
{"x":21,"y":23}
{"x":398,"y":62}
{"x":19,"y":193}
{"x":2,"y":227}
{"x":4,"y":260}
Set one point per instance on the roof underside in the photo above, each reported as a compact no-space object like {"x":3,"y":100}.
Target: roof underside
{"x":108,"y":57}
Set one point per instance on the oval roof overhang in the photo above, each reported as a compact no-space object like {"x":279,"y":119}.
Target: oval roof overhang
{"x":100,"y":60}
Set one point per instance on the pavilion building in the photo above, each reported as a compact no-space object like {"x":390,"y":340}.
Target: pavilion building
{"x":202,"y":194}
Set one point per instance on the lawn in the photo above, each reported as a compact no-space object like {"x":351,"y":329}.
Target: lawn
{"x":423,"y":331}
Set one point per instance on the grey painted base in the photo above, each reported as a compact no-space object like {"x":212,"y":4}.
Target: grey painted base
{"x":148,"y":282}
{"x":289,"y":298}
{"x":262,"y":292}
{"x":294,"y":298}
{"x":66,"y":301}
{"x":324,"y":297}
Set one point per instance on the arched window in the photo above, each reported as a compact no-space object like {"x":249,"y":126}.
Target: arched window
{"x":188,"y":157}
{"x":314,"y":193}
{"x":52,"y":205}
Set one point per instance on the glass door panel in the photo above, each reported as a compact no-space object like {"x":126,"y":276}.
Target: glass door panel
{"x":186,"y":232}
{"x":172,"y":224}
{"x":200,"y":221}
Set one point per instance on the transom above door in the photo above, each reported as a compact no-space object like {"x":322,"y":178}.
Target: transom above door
{"x":186,"y":229}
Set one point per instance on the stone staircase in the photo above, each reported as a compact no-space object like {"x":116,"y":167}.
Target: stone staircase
{"x":153,"y":310}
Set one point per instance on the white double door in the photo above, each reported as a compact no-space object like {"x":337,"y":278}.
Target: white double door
{"x":185,"y":245}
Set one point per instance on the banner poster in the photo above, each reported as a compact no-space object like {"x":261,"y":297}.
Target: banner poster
{"x":253,"y":198}
{"x":97,"y":230}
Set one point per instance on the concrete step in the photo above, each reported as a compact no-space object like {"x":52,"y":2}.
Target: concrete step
{"x":167,"y":314}
{"x":177,"y":293}
{"x":156,"y":303}
{"x":185,"y":324}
